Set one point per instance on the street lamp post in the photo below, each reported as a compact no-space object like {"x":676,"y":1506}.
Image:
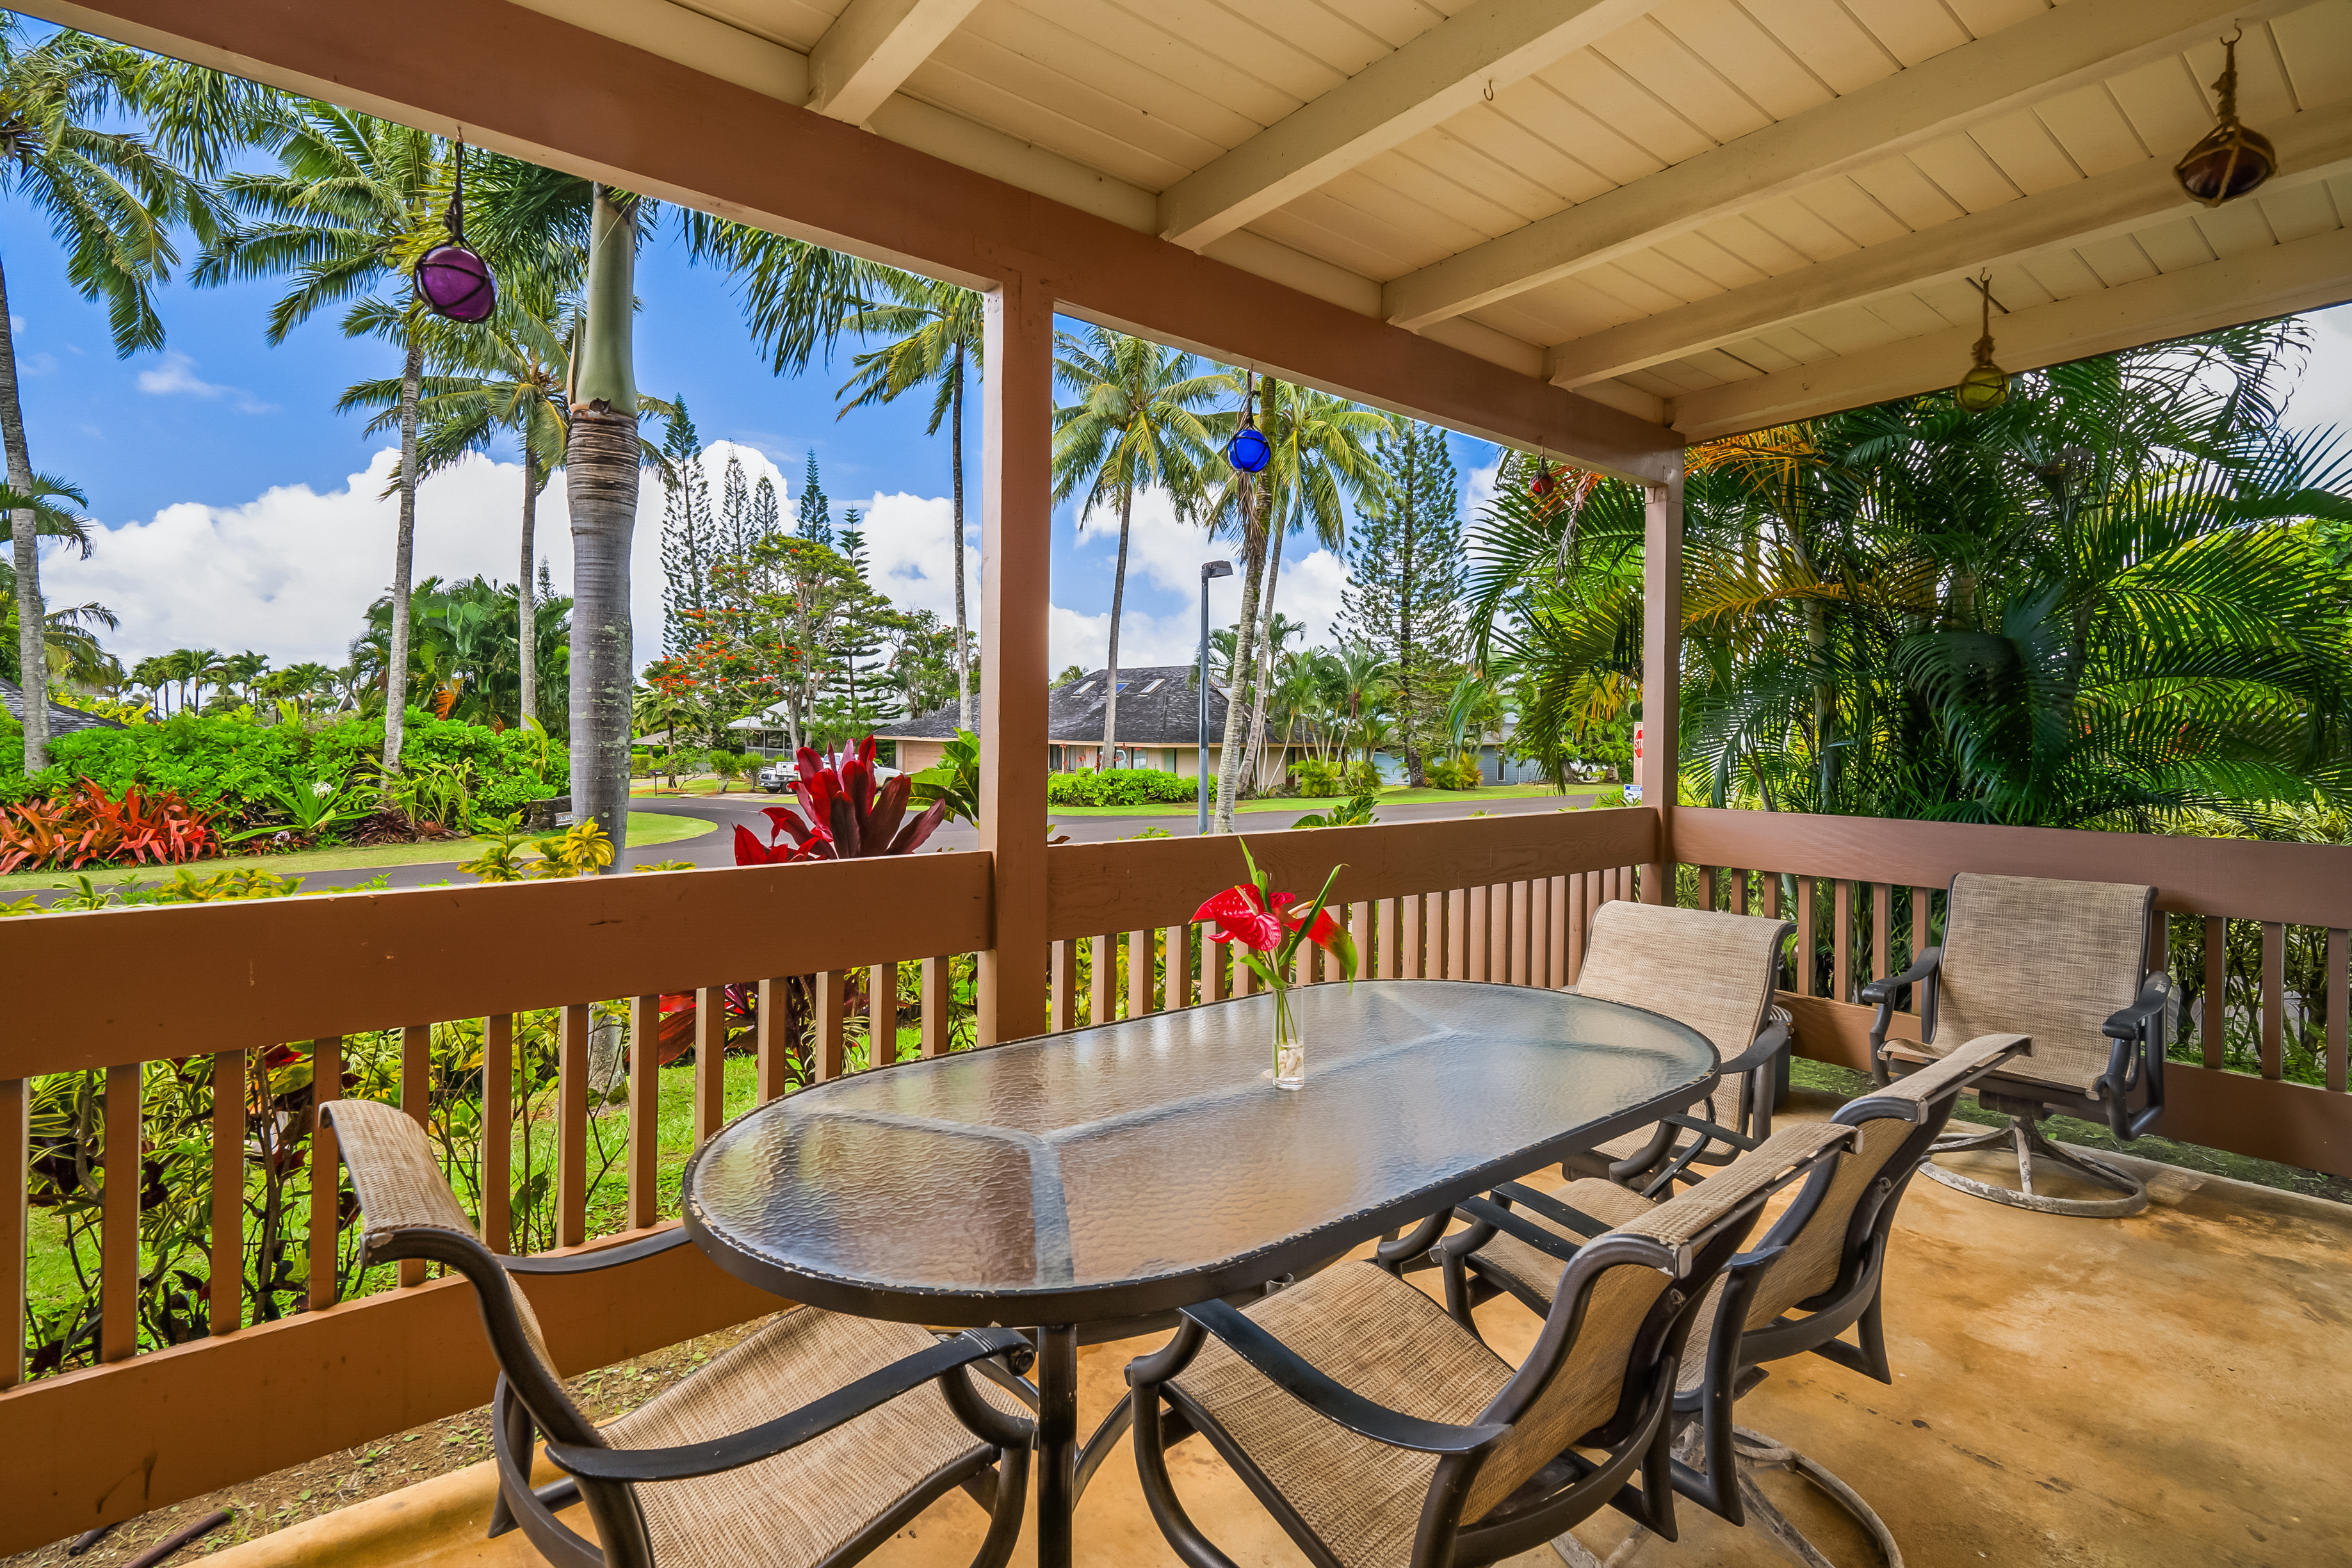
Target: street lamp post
{"x":1209,"y":569}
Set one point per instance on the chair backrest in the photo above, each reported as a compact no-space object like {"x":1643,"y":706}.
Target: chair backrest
{"x":406,"y":1209}
{"x":1612,"y":1320}
{"x":2052,"y":960}
{"x":1703,"y":968}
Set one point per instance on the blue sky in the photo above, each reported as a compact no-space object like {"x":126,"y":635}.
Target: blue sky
{"x":240,"y":510}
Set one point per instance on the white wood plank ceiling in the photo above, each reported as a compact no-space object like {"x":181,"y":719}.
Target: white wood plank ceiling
{"x":1715,"y":213}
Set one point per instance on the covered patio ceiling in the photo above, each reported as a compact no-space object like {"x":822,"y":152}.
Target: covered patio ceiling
{"x":1703,"y":215}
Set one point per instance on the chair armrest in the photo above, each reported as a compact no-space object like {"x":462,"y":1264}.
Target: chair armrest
{"x":768,"y":1439}
{"x":1328,"y":1397}
{"x":1760,"y":1052}
{"x":1922,"y":967}
{"x":2154,"y":992}
{"x":602,"y":1258}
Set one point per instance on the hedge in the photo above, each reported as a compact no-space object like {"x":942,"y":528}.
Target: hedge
{"x":1119,"y":787}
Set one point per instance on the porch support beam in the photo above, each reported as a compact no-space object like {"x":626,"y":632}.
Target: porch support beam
{"x":692,"y":135}
{"x":2277,"y":280}
{"x":2077,"y":44}
{"x":872,"y":47}
{"x":1016,"y":574}
{"x":2315,"y":144}
{"x":1433,"y":77}
{"x":1661,"y":675}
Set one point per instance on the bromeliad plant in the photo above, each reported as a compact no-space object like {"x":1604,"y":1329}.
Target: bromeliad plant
{"x":1266,"y":929}
{"x":848,"y":816}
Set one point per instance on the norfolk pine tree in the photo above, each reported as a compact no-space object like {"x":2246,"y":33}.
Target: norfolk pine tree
{"x":1405,"y":583}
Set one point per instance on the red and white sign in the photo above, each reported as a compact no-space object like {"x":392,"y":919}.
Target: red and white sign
{"x":1637,"y":743}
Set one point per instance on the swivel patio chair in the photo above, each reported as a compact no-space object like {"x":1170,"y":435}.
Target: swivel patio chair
{"x":2065,"y":964}
{"x":812,"y":1442}
{"x":1825,"y":1257}
{"x":1381,"y":1433}
{"x":1714,"y":972}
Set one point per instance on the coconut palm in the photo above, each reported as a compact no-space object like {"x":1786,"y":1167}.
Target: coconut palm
{"x":112,"y":199}
{"x":1133,"y":426}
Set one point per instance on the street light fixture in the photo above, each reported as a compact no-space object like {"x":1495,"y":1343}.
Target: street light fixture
{"x":1209,"y":569}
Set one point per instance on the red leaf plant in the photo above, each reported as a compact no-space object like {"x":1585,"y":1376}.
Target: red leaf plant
{"x":87,"y":827}
{"x":848,"y":817}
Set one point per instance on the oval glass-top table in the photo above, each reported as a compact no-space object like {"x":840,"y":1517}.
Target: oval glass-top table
{"x":1116,"y":1173}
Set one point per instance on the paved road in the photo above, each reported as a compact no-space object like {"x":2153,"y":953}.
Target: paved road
{"x":718,"y":848}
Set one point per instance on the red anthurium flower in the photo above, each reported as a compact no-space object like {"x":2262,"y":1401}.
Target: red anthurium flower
{"x":1321,"y":933}
{"x":1241,"y":918}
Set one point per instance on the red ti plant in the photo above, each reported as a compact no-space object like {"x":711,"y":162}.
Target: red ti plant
{"x":847,"y":816}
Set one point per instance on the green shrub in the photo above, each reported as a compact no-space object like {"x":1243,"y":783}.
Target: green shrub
{"x":1316,"y":778}
{"x":1119,"y":787}
{"x":1363,"y":778}
{"x":1458,"y":773}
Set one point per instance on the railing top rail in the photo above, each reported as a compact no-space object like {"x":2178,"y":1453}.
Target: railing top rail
{"x":2247,"y":879}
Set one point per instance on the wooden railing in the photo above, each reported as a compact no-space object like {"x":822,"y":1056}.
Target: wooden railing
{"x":114,"y":993}
{"x":1865,"y":893}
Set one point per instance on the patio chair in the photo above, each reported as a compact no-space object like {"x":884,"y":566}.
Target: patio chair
{"x":1823,"y":1257}
{"x":1381,"y":1433}
{"x":813,"y":1441}
{"x":2062,"y":962}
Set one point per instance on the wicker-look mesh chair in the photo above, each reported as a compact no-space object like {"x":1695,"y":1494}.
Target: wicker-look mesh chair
{"x":2064,"y":962}
{"x":810,"y":1443}
{"x":1381,"y":1433}
{"x":1714,"y":972}
{"x":1823,"y":1258}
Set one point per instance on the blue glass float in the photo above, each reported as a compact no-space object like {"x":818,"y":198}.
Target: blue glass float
{"x":1249,"y":451}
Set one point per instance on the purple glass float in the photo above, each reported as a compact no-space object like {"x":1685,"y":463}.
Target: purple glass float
{"x":451,"y":279}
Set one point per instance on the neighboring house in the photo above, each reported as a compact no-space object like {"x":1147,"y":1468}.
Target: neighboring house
{"x":63,"y":720}
{"x":1159,"y":726}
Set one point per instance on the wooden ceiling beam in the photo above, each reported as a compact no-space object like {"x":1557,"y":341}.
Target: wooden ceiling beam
{"x":2253,"y":286}
{"x":537,"y":86}
{"x":2055,"y":51}
{"x":1432,"y":79}
{"x":871,"y":49}
{"x":2313,"y":145}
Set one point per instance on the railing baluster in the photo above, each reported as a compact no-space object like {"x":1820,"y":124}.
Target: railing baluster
{"x":1362,"y":930}
{"x":16,"y":1220}
{"x":416,"y":1099}
{"x":498,"y":1133}
{"x":1771,"y":896}
{"x":1841,"y":943}
{"x":1559,"y":950}
{"x":228,"y":1285}
{"x":1178,"y":941}
{"x":1882,"y":929}
{"x":1707,"y":887}
{"x":572,"y":1125}
{"x":645,"y":1110}
{"x":2338,"y":984}
{"x":1138,"y":973}
{"x":773,"y":1037}
{"x":1805,"y":935}
{"x":2217,"y":990}
{"x":118,"y":1255}
{"x":936,"y":1038}
{"x":1476,"y":927}
{"x":2160,"y":942}
{"x":1106,"y":981}
{"x":831,"y":1002}
{"x":1519,"y":904}
{"x":2273,"y":996}
{"x":1408,"y":937}
{"x":1923,"y":929}
{"x":1062,"y":980}
{"x":1738,"y":891}
{"x":1538,"y":904}
{"x":710,"y":1061}
{"x":882,"y":1014}
{"x":326,"y":1172}
{"x":1457,"y":934}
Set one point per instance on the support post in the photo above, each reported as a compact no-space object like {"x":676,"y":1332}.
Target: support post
{"x":1016,"y":489}
{"x":1662,"y":674}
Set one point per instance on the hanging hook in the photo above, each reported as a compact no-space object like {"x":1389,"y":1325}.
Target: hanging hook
{"x":2237,"y":38}
{"x":1490,"y":89}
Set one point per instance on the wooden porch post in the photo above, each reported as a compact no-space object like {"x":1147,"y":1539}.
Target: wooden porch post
{"x":1662,"y":674}
{"x":1016,"y":506}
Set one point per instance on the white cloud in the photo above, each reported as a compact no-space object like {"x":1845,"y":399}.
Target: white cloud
{"x":1478,"y":485}
{"x":175,"y":374}
{"x":2324,"y":395}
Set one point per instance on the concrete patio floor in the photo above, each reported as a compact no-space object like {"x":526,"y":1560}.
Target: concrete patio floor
{"x":2167,"y":1389}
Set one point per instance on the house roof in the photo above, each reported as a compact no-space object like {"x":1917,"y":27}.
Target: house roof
{"x":1158,"y":706}
{"x":63,"y":720}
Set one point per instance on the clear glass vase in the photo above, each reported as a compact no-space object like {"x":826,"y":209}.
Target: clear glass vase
{"x":1289,"y":1046}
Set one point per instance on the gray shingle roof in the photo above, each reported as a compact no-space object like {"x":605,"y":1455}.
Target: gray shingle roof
{"x":1158,"y":706}
{"x":63,"y":720}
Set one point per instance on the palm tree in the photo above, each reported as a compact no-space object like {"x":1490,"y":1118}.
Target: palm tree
{"x":354,"y":203}
{"x":242,"y":670}
{"x":112,"y":199}
{"x":1322,"y":464}
{"x":1131,"y":427}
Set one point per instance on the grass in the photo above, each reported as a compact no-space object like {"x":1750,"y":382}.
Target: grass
{"x":644,"y":827}
{"x":1397,"y":796}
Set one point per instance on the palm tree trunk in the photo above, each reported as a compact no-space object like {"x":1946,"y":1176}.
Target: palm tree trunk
{"x":403,"y":568}
{"x":963,"y":637}
{"x":1263,"y":693}
{"x":1244,"y":664}
{"x":601,"y":485}
{"x":1117,"y":597}
{"x":32,"y":656}
{"x":527,"y":596}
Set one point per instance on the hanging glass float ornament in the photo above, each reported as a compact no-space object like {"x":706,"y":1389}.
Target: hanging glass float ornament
{"x":2230,"y":160}
{"x":452,"y":279}
{"x":1248,"y":450}
{"x":1985,"y":386}
{"x":1541,"y":484}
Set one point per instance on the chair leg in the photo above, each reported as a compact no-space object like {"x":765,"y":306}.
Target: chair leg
{"x":2033,"y":1151}
{"x":1757,"y":1452}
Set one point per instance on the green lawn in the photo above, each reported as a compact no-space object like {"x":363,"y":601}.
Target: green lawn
{"x":1301,"y":804}
{"x":644,"y":827}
